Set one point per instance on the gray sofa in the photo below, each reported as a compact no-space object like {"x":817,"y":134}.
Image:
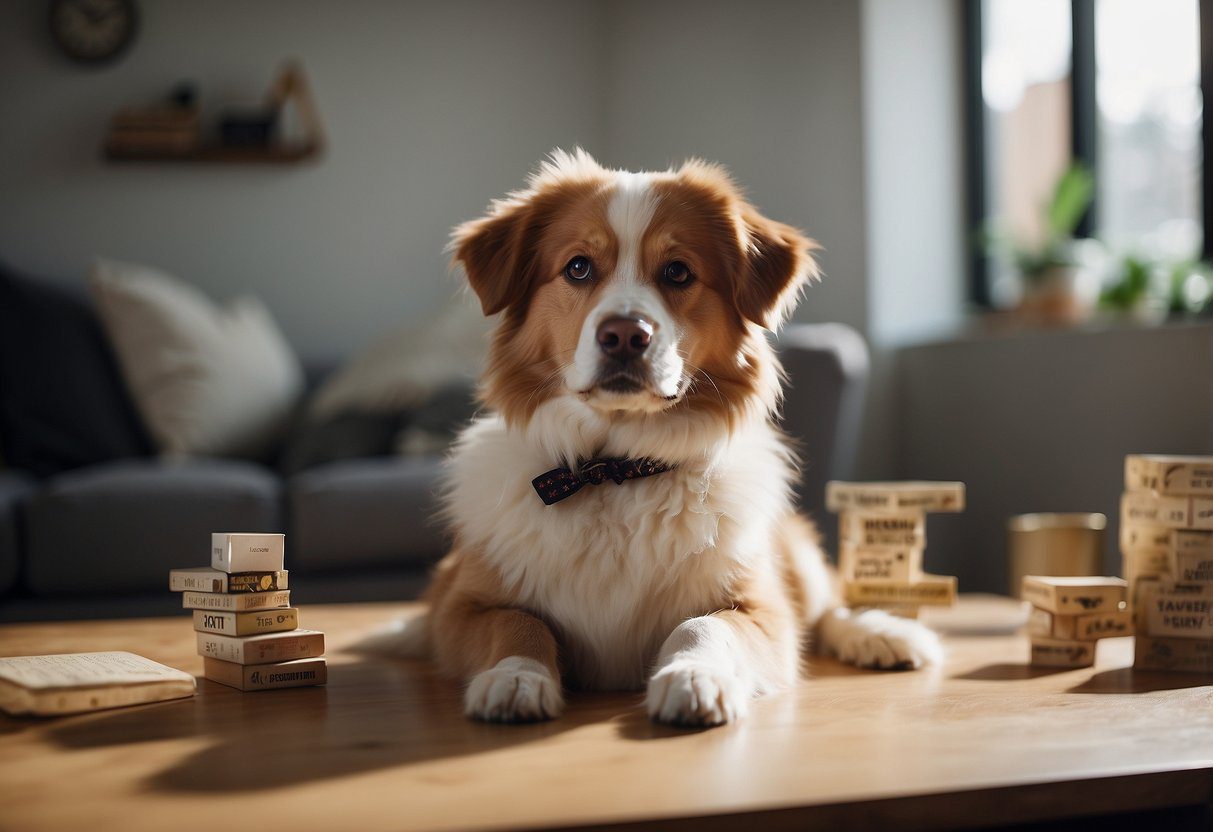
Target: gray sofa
{"x":97,"y":540}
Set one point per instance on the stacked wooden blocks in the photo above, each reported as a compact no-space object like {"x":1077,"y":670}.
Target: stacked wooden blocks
{"x":248,"y":632}
{"x":882,"y":536}
{"x":1166,"y":539}
{"x":1070,"y":615}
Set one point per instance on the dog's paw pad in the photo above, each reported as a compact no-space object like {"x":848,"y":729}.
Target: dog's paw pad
{"x":516,"y":689}
{"x":885,"y":642}
{"x":695,"y":693}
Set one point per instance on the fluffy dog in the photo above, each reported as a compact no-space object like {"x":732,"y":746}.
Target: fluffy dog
{"x":622,"y":515}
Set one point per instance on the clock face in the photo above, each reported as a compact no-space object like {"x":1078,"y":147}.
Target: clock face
{"x":93,"y":31}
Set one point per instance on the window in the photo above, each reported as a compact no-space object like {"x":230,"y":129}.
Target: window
{"x":1114,"y":84}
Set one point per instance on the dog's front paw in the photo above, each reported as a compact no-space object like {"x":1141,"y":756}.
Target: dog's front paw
{"x":695,"y":693}
{"x":879,"y":640}
{"x":516,"y":689}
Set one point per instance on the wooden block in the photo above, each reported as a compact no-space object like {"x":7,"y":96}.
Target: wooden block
{"x":895,"y":496}
{"x":901,"y":610}
{"x":1173,"y":511}
{"x":1180,"y":610}
{"x":1192,"y":540}
{"x":901,"y":530}
{"x":1146,"y":561}
{"x":1191,"y":567}
{"x":1189,"y":655}
{"x":1140,"y":593}
{"x":1112,"y":624}
{"x":1169,"y":474}
{"x":1074,"y":596}
{"x":900,"y":565}
{"x":1044,"y":624}
{"x":1145,"y":538}
{"x":1052,"y":652}
{"x":929,"y":590}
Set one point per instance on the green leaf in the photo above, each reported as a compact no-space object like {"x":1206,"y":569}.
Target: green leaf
{"x":1071,"y":199}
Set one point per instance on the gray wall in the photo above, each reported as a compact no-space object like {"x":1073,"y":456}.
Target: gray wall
{"x":432,"y":108}
{"x":770,"y":88}
{"x":1042,"y":421}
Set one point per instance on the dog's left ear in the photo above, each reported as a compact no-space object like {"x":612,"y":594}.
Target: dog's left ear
{"x":497,"y":253}
{"x":777,"y":263}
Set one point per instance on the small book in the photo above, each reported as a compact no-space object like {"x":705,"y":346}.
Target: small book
{"x":247,"y":551}
{"x":239,"y":602}
{"x":270,"y":647}
{"x":295,"y":674}
{"x":207,"y":579}
{"x":246,"y":623}
{"x":70,"y":683}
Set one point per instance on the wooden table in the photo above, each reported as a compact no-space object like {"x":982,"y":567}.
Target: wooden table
{"x":984,"y":740}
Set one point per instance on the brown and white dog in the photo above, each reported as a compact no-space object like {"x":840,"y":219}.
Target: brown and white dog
{"x":633,"y":310}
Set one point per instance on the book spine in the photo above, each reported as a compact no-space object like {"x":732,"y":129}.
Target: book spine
{"x":246,"y":623}
{"x":178,"y":582}
{"x":237,"y":603}
{"x":260,"y":581}
{"x":292,"y":674}
{"x":281,"y":647}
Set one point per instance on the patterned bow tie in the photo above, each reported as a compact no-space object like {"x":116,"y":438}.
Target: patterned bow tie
{"x":561,"y":483}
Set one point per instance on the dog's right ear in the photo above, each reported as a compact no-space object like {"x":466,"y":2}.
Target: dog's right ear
{"x":497,"y":253}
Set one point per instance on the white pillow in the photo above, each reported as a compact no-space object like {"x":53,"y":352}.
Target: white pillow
{"x":409,"y":365}
{"x":207,"y":380}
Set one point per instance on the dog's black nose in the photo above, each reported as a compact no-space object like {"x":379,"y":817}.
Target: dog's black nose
{"x":624,"y":338}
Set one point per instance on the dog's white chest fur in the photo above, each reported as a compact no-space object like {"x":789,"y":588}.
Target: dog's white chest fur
{"x":614,"y":568}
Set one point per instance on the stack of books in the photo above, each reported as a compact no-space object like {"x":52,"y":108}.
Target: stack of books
{"x":1166,"y":537}
{"x":1070,"y":615}
{"x":248,"y":632}
{"x":882,"y":537}
{"x":153,"y":130}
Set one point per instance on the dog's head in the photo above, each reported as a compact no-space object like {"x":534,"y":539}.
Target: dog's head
{"x":634,"y":292}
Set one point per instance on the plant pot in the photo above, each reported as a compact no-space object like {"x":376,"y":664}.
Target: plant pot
{"x":1061,"y":295}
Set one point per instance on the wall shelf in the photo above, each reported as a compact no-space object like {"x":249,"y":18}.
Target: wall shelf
{"x":282,"y":155}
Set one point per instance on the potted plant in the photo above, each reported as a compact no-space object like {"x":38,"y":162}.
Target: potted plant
{"x":1060,"y":285}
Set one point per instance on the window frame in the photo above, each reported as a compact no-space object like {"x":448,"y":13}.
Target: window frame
{"x":1084,"y":129}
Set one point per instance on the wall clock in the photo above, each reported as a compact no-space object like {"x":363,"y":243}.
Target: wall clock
{"x":93,"y":31}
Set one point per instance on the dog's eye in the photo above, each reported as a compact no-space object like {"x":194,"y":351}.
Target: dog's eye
{"x":676,"y":273}
{"x":578,"y":269}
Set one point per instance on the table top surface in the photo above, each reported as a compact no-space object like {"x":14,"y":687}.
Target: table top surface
{"x":984,"y":738}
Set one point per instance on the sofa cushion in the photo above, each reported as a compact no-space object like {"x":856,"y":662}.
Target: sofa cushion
{"x":15,"y":488}
{"x":122,"y":526}
{"x":209,"y":380}
{"x":365,"y":512}
{"x":62,"y":400}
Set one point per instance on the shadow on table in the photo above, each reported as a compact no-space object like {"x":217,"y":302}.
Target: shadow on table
{"x":1009,"y":672}
{"x":372,"y":714}
{"x":1128,"y":680}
